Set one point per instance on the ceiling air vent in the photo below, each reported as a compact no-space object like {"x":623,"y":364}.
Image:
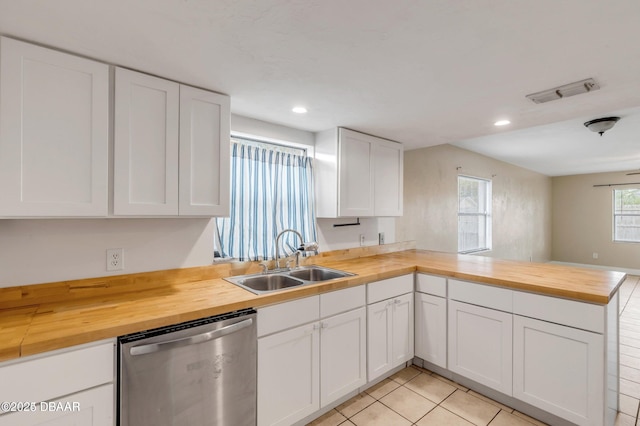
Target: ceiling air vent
{"x":582,"y":86}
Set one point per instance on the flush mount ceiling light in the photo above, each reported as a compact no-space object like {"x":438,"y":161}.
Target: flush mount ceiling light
{"x":501,"y":123}
{"x":601,"y":125}
{"x":571,"y":89}
{"x":299,"y":110}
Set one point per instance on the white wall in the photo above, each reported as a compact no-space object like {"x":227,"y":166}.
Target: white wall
{"x":521,"y":206}
{"x":343,"y":237}
{"x":36,"y":251}
{"x":264,"y":129}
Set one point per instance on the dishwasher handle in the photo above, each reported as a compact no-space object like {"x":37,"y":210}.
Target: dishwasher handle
{"x":191,"y":340}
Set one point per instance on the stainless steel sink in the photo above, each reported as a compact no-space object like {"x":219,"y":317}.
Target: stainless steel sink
{"x":263,"y":283}
{"x":315,"y":273}
{"x":284,"y":279}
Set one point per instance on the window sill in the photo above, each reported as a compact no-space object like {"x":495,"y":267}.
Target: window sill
{"x":475,"y":251}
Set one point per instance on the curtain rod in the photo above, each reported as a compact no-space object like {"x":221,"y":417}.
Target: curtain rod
{"x":617,"y":184}
{"x":283,"y":145}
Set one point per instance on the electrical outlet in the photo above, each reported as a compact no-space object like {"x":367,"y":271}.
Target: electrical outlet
{"x":381,"y":238}
{"x":115,"y":259}
{"x":595,"y":255}
{"x":361,"y":239}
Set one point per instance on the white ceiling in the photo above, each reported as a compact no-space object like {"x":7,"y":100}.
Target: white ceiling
{"x":420,"y":72}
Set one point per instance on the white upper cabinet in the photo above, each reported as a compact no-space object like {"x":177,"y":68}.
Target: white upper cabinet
{"x":387,"y":178}
{"x":171,"y":148}
{"x":204,"y":152}
{"x":355,"y":188}
{"x":145,"y":177}
{"x":54,"y":127}
{"x":357,"y":175}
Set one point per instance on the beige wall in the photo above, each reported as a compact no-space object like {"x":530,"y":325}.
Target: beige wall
{"x":521,"y":203}
{"x":583,"y":221}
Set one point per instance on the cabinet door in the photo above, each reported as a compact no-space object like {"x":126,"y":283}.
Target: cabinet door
{"x":93,"y":407}
{"x":204,"y":153}
{"x":288,"y":375}
{"x":431,"y":329}
{"x":559,"y":369}
{"x":54,"y":127}
{"x":402,"y":329}
{"x":343,"y":355}
{"x":480,"y":345}
{"x":355,"y":189}
{"x":145,"y":170}
{"x":379,"y":329}
{"x":387,"y":178}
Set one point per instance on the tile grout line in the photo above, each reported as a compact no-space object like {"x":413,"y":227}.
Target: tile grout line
{"x":427,"y":372}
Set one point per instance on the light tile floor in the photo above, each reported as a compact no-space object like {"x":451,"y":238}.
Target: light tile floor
{"x":419,"y":397}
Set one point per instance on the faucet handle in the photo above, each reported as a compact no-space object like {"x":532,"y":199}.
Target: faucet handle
{"x":265,"y":267}
{"x":308,"y":246}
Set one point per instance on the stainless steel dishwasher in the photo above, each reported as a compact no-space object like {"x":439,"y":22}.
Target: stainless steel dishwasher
{"x":198,"y":373}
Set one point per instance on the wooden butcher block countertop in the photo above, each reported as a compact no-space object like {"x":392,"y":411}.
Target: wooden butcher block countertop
{"x":44,"y":317}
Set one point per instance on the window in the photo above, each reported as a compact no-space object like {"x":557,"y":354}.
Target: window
{"x":474,"y":214}
{"x":271,"y":190}
{"x":626,"y":215}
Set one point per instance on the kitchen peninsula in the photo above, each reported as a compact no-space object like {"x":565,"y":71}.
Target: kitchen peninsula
{"x":536,"y":305}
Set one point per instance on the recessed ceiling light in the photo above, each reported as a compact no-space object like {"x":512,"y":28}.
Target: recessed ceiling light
{"x":501,"y":123}
{"x":299,"y":110}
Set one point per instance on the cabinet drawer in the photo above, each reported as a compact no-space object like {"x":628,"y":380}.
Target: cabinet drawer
{"x":342,"y":301}
{"x":388,"y":288}
{"x":41,"y":378}
{"x":581,"y":315}
{"x":481,"y":295}
{"x":287,"y":315}
{"x":431,"y":284}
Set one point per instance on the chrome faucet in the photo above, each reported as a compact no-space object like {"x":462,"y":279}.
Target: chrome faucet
{"x":311,"y":246}
{"x":278,"y":244}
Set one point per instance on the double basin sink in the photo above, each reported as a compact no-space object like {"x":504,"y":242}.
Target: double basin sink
{"x":281,"y":280}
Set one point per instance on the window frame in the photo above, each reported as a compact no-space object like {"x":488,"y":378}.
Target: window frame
{"x":616,"y":215}
{"x":486,"y":214}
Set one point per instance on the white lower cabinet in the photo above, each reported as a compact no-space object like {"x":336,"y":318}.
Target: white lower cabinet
{"x":307,"y":367}
{"x":342,"y":354}
{"x":288,"y":375}
{"x":431,"y":329}
{"x":548,"y":352}
{"x":93,"y":407}
{"x":72,"y":386}
{"x":480,"y":345}
{"x":390,"y":324}
{"x":431,"y":319}
{"x":559,"y":369}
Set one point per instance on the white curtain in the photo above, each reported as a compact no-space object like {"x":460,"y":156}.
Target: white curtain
{"x":271,"y":190}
